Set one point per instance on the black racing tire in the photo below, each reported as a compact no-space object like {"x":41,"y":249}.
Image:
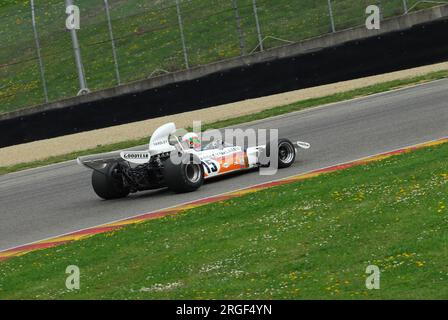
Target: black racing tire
{"x":108,"y":184}
{"x":286,"y":154}
{"x":187,"y":176}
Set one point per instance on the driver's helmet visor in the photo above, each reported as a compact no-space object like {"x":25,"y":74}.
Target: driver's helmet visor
{"x":193,"y":142}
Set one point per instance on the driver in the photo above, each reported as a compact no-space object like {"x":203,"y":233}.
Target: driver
{"x":192,"y":140}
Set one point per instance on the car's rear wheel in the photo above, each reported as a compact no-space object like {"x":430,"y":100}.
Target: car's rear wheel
{"x":108,"y":184}
{"x":187,"y":176}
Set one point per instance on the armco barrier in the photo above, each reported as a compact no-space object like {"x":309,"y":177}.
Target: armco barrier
{"x":419,"y":45}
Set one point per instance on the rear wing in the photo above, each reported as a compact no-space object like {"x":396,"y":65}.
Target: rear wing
{"x":99,"y":161}
{"x":135,"y":155}
{"x":159,"y":143}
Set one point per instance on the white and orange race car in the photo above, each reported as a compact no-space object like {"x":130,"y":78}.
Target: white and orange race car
{"x":180,"y":162}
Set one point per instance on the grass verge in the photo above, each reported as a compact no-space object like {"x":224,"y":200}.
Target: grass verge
{"x":310,"y":239}
{"x":378,"y":88}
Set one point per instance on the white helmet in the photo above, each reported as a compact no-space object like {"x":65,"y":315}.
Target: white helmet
{"x":193,"y":141}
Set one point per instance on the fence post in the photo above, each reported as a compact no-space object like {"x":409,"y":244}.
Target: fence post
{"x":112,"y":40}
{"x":78,"y":59}
{"x":330,"y":13}
{"x":240,"y":29}
{"x":405,"y":6}
{"x":36,"y":40}
{"x":380,"y":5}
{"x":182,"y":37}
{"x":257,"y":22}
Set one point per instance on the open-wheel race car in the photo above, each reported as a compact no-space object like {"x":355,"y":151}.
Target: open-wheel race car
{"x":179,"y":162}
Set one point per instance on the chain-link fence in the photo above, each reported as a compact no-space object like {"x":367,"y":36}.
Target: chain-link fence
{"x":127,"y":40}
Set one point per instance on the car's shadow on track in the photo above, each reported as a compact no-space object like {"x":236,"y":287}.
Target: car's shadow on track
{"x":165,"y":191}
{"x":211,"y":181}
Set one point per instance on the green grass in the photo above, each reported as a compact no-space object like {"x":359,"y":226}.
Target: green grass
{"x":310,"y":239}
{"x":148,"y":39}
{"x":378,"y":88}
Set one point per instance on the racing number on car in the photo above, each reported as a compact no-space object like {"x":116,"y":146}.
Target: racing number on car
{"x":210,"y":166}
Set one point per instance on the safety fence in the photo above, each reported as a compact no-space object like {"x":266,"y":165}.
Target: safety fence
{"x":120,"y":41}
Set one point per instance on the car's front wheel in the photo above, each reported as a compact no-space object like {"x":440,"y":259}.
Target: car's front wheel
{"x":286,"y":154}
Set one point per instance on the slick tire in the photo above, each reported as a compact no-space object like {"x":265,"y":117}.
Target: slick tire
{"x":108,"y":184}
{"x":187,"y":176}
{"x":286,"y":154}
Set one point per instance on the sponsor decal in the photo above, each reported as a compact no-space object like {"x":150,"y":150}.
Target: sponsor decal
{"x":160,"y":142}
{"x":219,"y":153}
{"x":137,"y":157}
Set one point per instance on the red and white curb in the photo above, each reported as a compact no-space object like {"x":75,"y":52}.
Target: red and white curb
{"x":86,"y":233}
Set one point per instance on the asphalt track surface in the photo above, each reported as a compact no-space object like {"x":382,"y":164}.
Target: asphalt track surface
{"x":54,"y":200}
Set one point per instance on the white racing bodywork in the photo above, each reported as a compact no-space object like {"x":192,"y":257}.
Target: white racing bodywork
{"x":159,"y":142}
{"x":216,"y":161}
